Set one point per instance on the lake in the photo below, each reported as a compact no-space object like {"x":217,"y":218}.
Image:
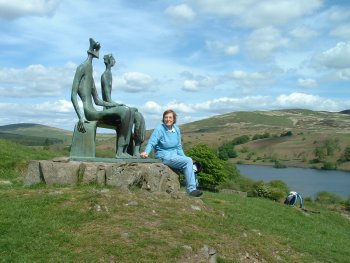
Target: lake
{"x":307,"y":182}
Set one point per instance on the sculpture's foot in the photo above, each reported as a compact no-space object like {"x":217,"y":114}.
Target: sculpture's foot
{"x":123,"y":156}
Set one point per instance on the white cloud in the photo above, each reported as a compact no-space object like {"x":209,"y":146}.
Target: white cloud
{"x":337,"y":13}
{"x":303,"y":32}
{"x":17,"y":8}
{"x":152,"y":107}
{"x":308,"y":101}
{"x":218,"y":47}
{"x":36,"y":80}
{"x":344,"y":74}
{"x":264,"y":41}
{"x":337,"y":57}
{"x":190,"y":85}
{"x":250,"y":80}
{"x":180,"y":13}
{"x":341,"y":31}
{"x":179,"y":107}
{"x":258,"y":13}
{"x":134,"y":82}
{"x":249,"y":103}
{"x":307,"y":83}
{"x":197,"y":82}
{"x":60,"y":106}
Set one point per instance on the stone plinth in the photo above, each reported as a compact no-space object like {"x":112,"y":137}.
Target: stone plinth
{"x":154,"y":177}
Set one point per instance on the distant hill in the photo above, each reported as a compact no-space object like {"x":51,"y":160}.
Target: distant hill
{"x":345,"y":112}
{"x":310,"y":130}
{"x":35,"y":134}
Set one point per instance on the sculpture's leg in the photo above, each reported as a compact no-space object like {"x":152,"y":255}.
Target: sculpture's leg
{"x":139,"y":133}
{"x":130,"y":149}
{"x":124,"y":135}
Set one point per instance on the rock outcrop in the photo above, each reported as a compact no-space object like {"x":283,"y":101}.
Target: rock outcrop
{"x":154,"y":177}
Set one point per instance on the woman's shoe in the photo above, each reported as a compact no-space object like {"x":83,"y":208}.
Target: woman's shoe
{"x":195,"y":193}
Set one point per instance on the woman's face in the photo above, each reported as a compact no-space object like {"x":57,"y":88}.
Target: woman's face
{"x":168,"y":119}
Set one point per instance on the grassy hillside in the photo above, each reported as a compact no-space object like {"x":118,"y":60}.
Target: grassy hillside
{"x":94,"y":224}
{"x":14,"y":158}
{"x":90,"y":224}
{"x":309,"y":130}
{"x":35,"y":134}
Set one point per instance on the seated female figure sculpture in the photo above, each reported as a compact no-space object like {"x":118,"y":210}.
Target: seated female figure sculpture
{"x":117,"y":115}
{"x":139,"y":132}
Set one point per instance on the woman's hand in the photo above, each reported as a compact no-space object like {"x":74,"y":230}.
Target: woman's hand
{"x":143,"y":155}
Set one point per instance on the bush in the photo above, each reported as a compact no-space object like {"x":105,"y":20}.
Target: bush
{"x":347,"y":204}
{"x":329,"y":166}
{"x":277,"y":194}
{"x":275,"y":190}
{"x":280,"y":185}
{"x":240,"y":140}
{"x":261,"y":136}
{"x":278,"y":164}
{"x":346,"y":154}
{"x":259,"y":189}
{"x":287,"y":133}
{"x":326,"y":198}
{"x":215,"y":171}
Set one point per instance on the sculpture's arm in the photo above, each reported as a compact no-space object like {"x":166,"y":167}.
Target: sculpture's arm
{"x":106,"y":86}
{"x":100,"y":102}
{"x":79,"y":74}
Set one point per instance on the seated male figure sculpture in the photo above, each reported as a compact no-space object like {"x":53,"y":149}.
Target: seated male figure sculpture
{"x":117,"y":115}
{"x":139,"y":121}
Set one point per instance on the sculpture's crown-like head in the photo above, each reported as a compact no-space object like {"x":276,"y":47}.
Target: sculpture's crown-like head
{"x":94,"y":48}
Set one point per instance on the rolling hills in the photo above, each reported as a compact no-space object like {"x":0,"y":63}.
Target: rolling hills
{"x":308,"y":131}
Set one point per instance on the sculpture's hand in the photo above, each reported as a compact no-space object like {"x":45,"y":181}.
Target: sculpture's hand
{"x":114,"y":104}
{"x":81,"y":126}
{"x":143,"y":155}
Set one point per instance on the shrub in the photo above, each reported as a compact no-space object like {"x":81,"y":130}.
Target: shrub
{"x":259,"y":189}
{"x":261,"y":136}
{"x":215,"y":171}
{"x":326,"y":198}
{"x":287,"y":133}
{"x":276,"y":194}
{"x":280,"y":185}
{"x":347,"y":204}
{"x":346,"y":154}
{"x":240,"y":140}
{"x":278,"y":164}
{"x":275,"y":190}
{"x":329,"y":166}
{"x":278,"y":190}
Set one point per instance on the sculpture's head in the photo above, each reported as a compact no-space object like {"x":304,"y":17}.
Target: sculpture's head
{"x":109,"y":60}
{"x":94,"y":48}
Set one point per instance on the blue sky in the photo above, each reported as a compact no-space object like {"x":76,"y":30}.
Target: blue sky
{"x":198,"y":57}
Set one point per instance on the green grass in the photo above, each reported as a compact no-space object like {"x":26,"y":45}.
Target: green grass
{"x":14,"y":158}
{"x":93,"y":224}
{"x":88,"y":224}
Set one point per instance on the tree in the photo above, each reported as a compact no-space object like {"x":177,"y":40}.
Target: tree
{"x":46,"y":144}
{"x":320,"y":153}
{"x":215,"y":171}
{"x":347,"y":153}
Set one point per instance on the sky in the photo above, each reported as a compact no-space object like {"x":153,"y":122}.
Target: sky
{"x":200,"y":58}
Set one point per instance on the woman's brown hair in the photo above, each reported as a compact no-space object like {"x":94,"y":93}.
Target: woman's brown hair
{"x":172,"y":112}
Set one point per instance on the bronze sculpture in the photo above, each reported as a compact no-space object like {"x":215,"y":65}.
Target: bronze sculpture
{"x":117,"y":116}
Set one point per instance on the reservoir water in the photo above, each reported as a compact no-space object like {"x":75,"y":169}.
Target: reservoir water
{"x":308,"y":182}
